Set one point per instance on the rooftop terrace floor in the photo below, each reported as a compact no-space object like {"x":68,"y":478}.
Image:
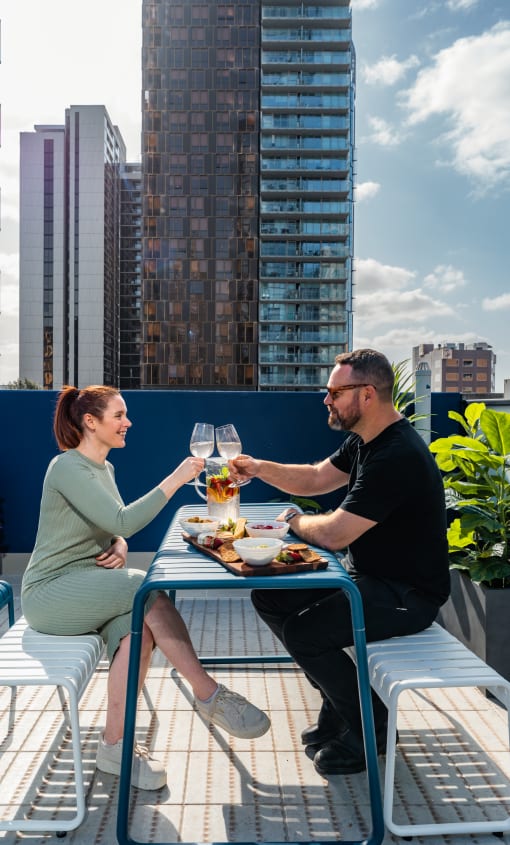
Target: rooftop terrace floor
{"x":225,"y":789}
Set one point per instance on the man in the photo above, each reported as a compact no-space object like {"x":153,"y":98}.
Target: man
{"x":392,"y":525}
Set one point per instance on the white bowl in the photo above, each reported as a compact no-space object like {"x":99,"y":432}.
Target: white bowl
{"x":267,"y":528}
{"x":258,"y":551}
{"x":206,"y":526}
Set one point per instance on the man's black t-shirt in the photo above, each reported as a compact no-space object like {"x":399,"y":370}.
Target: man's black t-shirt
{"x":394,"y":481}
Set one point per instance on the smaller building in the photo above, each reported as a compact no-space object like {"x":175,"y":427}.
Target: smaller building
{"x":458,"y":367}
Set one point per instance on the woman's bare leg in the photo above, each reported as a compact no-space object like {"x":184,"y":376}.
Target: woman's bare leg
{"x":117,"y":684}
{"x":172,"y":638}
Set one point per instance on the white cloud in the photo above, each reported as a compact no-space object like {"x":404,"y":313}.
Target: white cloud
{"x":456,"y":5}
{"x":392,"y":306}
{"x":372,"y":276}
{"x":9,"y":264}
{"x":364,"y":4}
{"x":446,"y":278}
{"x":382,"y":295}
{"x":469,"y":84}
{"x":383,"y":133}
{"x":366,"y":191}
{"x":497,"y":303}
{"x":388,"y":70}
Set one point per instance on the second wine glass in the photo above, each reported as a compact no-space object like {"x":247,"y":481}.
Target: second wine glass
{"x":229,"y":446}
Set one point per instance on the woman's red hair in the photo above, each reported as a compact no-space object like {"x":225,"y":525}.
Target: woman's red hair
{"x":72,"y":404}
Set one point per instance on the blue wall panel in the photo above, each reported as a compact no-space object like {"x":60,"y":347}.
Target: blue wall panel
{"x":278,"y":426}
{"x":288,"y":427}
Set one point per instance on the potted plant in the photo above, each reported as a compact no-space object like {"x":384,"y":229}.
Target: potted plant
{"x":476,"y":472}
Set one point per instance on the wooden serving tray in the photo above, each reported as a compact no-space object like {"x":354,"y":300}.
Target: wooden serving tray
{"x":239,"y":567}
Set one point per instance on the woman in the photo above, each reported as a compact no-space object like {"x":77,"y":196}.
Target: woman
{"x":76,"y":580}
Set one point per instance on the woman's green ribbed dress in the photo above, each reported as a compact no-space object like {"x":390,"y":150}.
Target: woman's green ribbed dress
{"x":64,"y":591}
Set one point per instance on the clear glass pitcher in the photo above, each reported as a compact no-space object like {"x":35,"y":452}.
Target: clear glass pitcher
{"x":222,"y":500}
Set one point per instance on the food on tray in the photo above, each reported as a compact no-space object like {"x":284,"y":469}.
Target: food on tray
{"x":233,"y":530}
{"x":228,"y":553}
{"x":297,"y":553}
{"x":210,"y":541}
{"x":199,"y":519}
{"x":264,"y":527}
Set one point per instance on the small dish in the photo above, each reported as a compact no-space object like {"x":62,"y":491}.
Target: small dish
{"x":194,"y":528}
{"x":258,"y":551}
{"x":267,"y":528}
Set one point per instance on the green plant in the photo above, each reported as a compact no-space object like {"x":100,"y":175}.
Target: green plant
{"x":404,"y":389}
{"x":476,"y":473}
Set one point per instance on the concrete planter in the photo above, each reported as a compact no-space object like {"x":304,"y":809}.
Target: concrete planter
{"x":478,"y":617}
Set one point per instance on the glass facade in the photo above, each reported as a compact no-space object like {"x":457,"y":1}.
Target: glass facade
{"x":306,"y":163}
{"x":130,"y":275}
{"x":247,"y":169}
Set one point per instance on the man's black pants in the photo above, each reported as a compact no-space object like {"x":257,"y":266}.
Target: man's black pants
{"x":315,"y":627}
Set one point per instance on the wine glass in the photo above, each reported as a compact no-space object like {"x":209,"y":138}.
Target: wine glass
{"x":229,"y":446}
{"x":201,"y":443}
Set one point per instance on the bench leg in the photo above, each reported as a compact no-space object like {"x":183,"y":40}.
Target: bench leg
{"x":61,"y":827}
{"x":439,"y":829}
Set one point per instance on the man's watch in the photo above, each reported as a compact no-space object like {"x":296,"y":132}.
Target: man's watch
{"x":291,"y":516}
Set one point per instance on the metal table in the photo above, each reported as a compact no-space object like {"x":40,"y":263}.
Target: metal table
{"x":179,"y":566}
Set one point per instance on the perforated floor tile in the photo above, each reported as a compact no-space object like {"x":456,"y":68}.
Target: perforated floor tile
{"x":226,"y":789}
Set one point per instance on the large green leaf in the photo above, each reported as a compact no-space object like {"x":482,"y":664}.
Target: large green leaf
{"x":475,"y":469}
{"x":496,"y":427}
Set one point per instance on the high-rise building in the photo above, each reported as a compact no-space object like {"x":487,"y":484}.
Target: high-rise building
{"x":130,"y":279}
{"x":458,"y":367}
{"x":247,"y":166}
{"x":70,"y":250}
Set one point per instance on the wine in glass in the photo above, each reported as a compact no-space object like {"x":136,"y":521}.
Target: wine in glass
{"x":201,"y":443}
{"x":229,"y":446}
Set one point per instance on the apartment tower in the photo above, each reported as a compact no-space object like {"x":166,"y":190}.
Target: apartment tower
{"x":70,"y":250}
{"x":247,"y":168}
{"x":458,"y":367}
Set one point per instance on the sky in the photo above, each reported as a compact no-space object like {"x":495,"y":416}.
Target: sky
{"x":431,"y":220}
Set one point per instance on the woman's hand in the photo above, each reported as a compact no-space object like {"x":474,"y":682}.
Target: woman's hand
{"x":188,"y":470}
{"x":115,"y":556}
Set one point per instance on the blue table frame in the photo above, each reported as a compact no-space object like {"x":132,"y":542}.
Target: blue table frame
{"x":179,"y":566}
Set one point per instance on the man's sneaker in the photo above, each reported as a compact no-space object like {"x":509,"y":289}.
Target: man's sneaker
{"x":148,"y":773}
{"x":233,"y":713}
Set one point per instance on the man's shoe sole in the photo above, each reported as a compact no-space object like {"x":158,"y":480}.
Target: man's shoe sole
{"x":346,"y":769}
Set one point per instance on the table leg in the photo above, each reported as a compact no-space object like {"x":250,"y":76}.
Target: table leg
{"x":367,"y":719}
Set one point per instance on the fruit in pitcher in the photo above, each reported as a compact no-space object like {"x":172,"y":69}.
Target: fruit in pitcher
{"x":218,"y":486}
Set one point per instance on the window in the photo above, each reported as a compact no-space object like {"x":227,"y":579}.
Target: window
{"x":199,"y":226}
{"x":199,"y":142}
{"x":200,"y":100}
{"x":197,"y":205}
{"x":224,"y":142}
{"x":222,"y":163}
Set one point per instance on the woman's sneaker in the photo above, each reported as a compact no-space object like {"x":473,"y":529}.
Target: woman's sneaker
{"x":233,"y":713}
{"x":148,"y":773}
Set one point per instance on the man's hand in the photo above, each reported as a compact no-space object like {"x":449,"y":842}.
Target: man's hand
{"x":244,"y":467}
{"x":115,"y":556}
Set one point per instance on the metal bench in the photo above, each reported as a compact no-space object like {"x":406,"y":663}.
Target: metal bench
{"x":432,"y":658}
{"x":28,"y":658}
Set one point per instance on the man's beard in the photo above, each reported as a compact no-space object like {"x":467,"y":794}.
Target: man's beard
{"x":347,"y":422}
